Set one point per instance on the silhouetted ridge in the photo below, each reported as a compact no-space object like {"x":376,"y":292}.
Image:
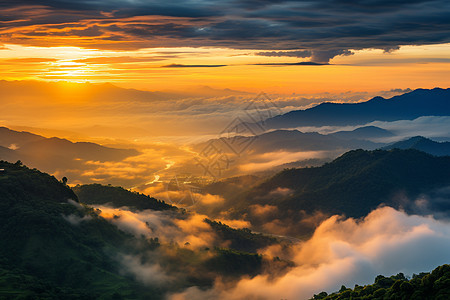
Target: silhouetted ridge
{"x":421,"y":102}
{"x":423,"y":144}
{"x":97,"y":194}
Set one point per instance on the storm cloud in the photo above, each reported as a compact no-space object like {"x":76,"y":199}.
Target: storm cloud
{"x":319,"y":30}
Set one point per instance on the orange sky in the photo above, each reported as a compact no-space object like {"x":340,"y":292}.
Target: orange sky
{"x":150,"y":69}
{"x":277,"y":47}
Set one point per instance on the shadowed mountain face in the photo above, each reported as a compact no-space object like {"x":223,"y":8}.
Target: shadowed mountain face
{"x":358,"y":181}
{"x":55,"y":154}
{"x":96,"y":194}
{"x":16,"y":139}
{"x":364,"y":133}
{"x":295,"y":141}
{"x":421,"y":102}
{"x":32,"y":145}
{"x":270,"y":152}
{"x":423,"y":144}
{"x":8,"y":154}
{"x":292,"y":140}
{"x":353,"y":184}
{"x":43,"y":255}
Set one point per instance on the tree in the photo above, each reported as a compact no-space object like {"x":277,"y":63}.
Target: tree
{"x":64,"y":180}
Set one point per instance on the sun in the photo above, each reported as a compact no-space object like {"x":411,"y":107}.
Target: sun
{"x":69,"y":71}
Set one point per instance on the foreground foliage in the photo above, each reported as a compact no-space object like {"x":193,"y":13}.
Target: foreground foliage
{"x":97,"y":194}
{"x":54,"y":247}
{"x":434,"y":285}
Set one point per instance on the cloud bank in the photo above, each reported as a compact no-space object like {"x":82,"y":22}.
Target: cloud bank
{"x":346,"y":251}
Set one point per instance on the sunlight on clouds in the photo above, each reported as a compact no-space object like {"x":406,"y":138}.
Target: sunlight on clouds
{"x":272,"y":159}
{"x":134,"y":68}
{"x":345,"y":252}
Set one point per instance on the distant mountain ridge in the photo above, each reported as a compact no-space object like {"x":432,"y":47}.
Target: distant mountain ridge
{"x":423,"y":144}
{"x":27,"y":143}
{"x":295,"y":140}
{"x":52,"y":154}
{"x":420,"y":102}
{"x":102,"y":91}
{"x":366,"y":132}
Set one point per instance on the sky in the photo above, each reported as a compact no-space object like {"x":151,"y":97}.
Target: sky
{"x":277,"y":46}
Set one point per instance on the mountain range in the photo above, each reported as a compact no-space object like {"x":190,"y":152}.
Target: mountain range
{"x":296,"y":141}
{"x":55,"y":154}
{"x":353,"y":185}
{"x":423,"y":144}
{"x":409,"y":106}
{"x":357,"y":182}
{"x":55,"y":245}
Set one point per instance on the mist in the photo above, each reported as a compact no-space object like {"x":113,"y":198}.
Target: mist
{"x":346,"y":252}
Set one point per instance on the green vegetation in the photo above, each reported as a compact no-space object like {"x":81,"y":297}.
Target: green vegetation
{"x":356,"y":183}
{"x":241,"y":239}
{"x":434,"y":285}
{"x":97,"y":194}
{"x":235,"y":263}
{"x":44,"y":255}
{"x":54,"y":247}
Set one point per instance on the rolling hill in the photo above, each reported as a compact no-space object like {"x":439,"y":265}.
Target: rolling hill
{"x":357,"y":182}
{"x":352,"y":185}
{"x":43,"y":255}
{"x":97,"y":194}
{"x":53,"y":247}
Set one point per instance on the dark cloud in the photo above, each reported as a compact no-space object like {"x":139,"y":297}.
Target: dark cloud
{"x":321,"y":29}
{"x":318,"y":57}
{"x":297,"y":53}
{"x":326,"y":55}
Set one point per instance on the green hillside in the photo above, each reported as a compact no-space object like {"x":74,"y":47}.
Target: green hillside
{"x":54,"y":247}
{"x":434,"y":285}
{"x":356,"y":182}
{"x":43,"y":255}
{"x":97,"y":194}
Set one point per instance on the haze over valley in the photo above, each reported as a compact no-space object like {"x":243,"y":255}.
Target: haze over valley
{"x":235,"y":150}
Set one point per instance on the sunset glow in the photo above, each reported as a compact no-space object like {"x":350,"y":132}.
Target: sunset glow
{"x":150,"y":69}
{"x":225,"y":150}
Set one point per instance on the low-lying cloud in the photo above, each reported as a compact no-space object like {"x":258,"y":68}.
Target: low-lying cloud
{"x":348,"y":252}
{"x":169,"y":227}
